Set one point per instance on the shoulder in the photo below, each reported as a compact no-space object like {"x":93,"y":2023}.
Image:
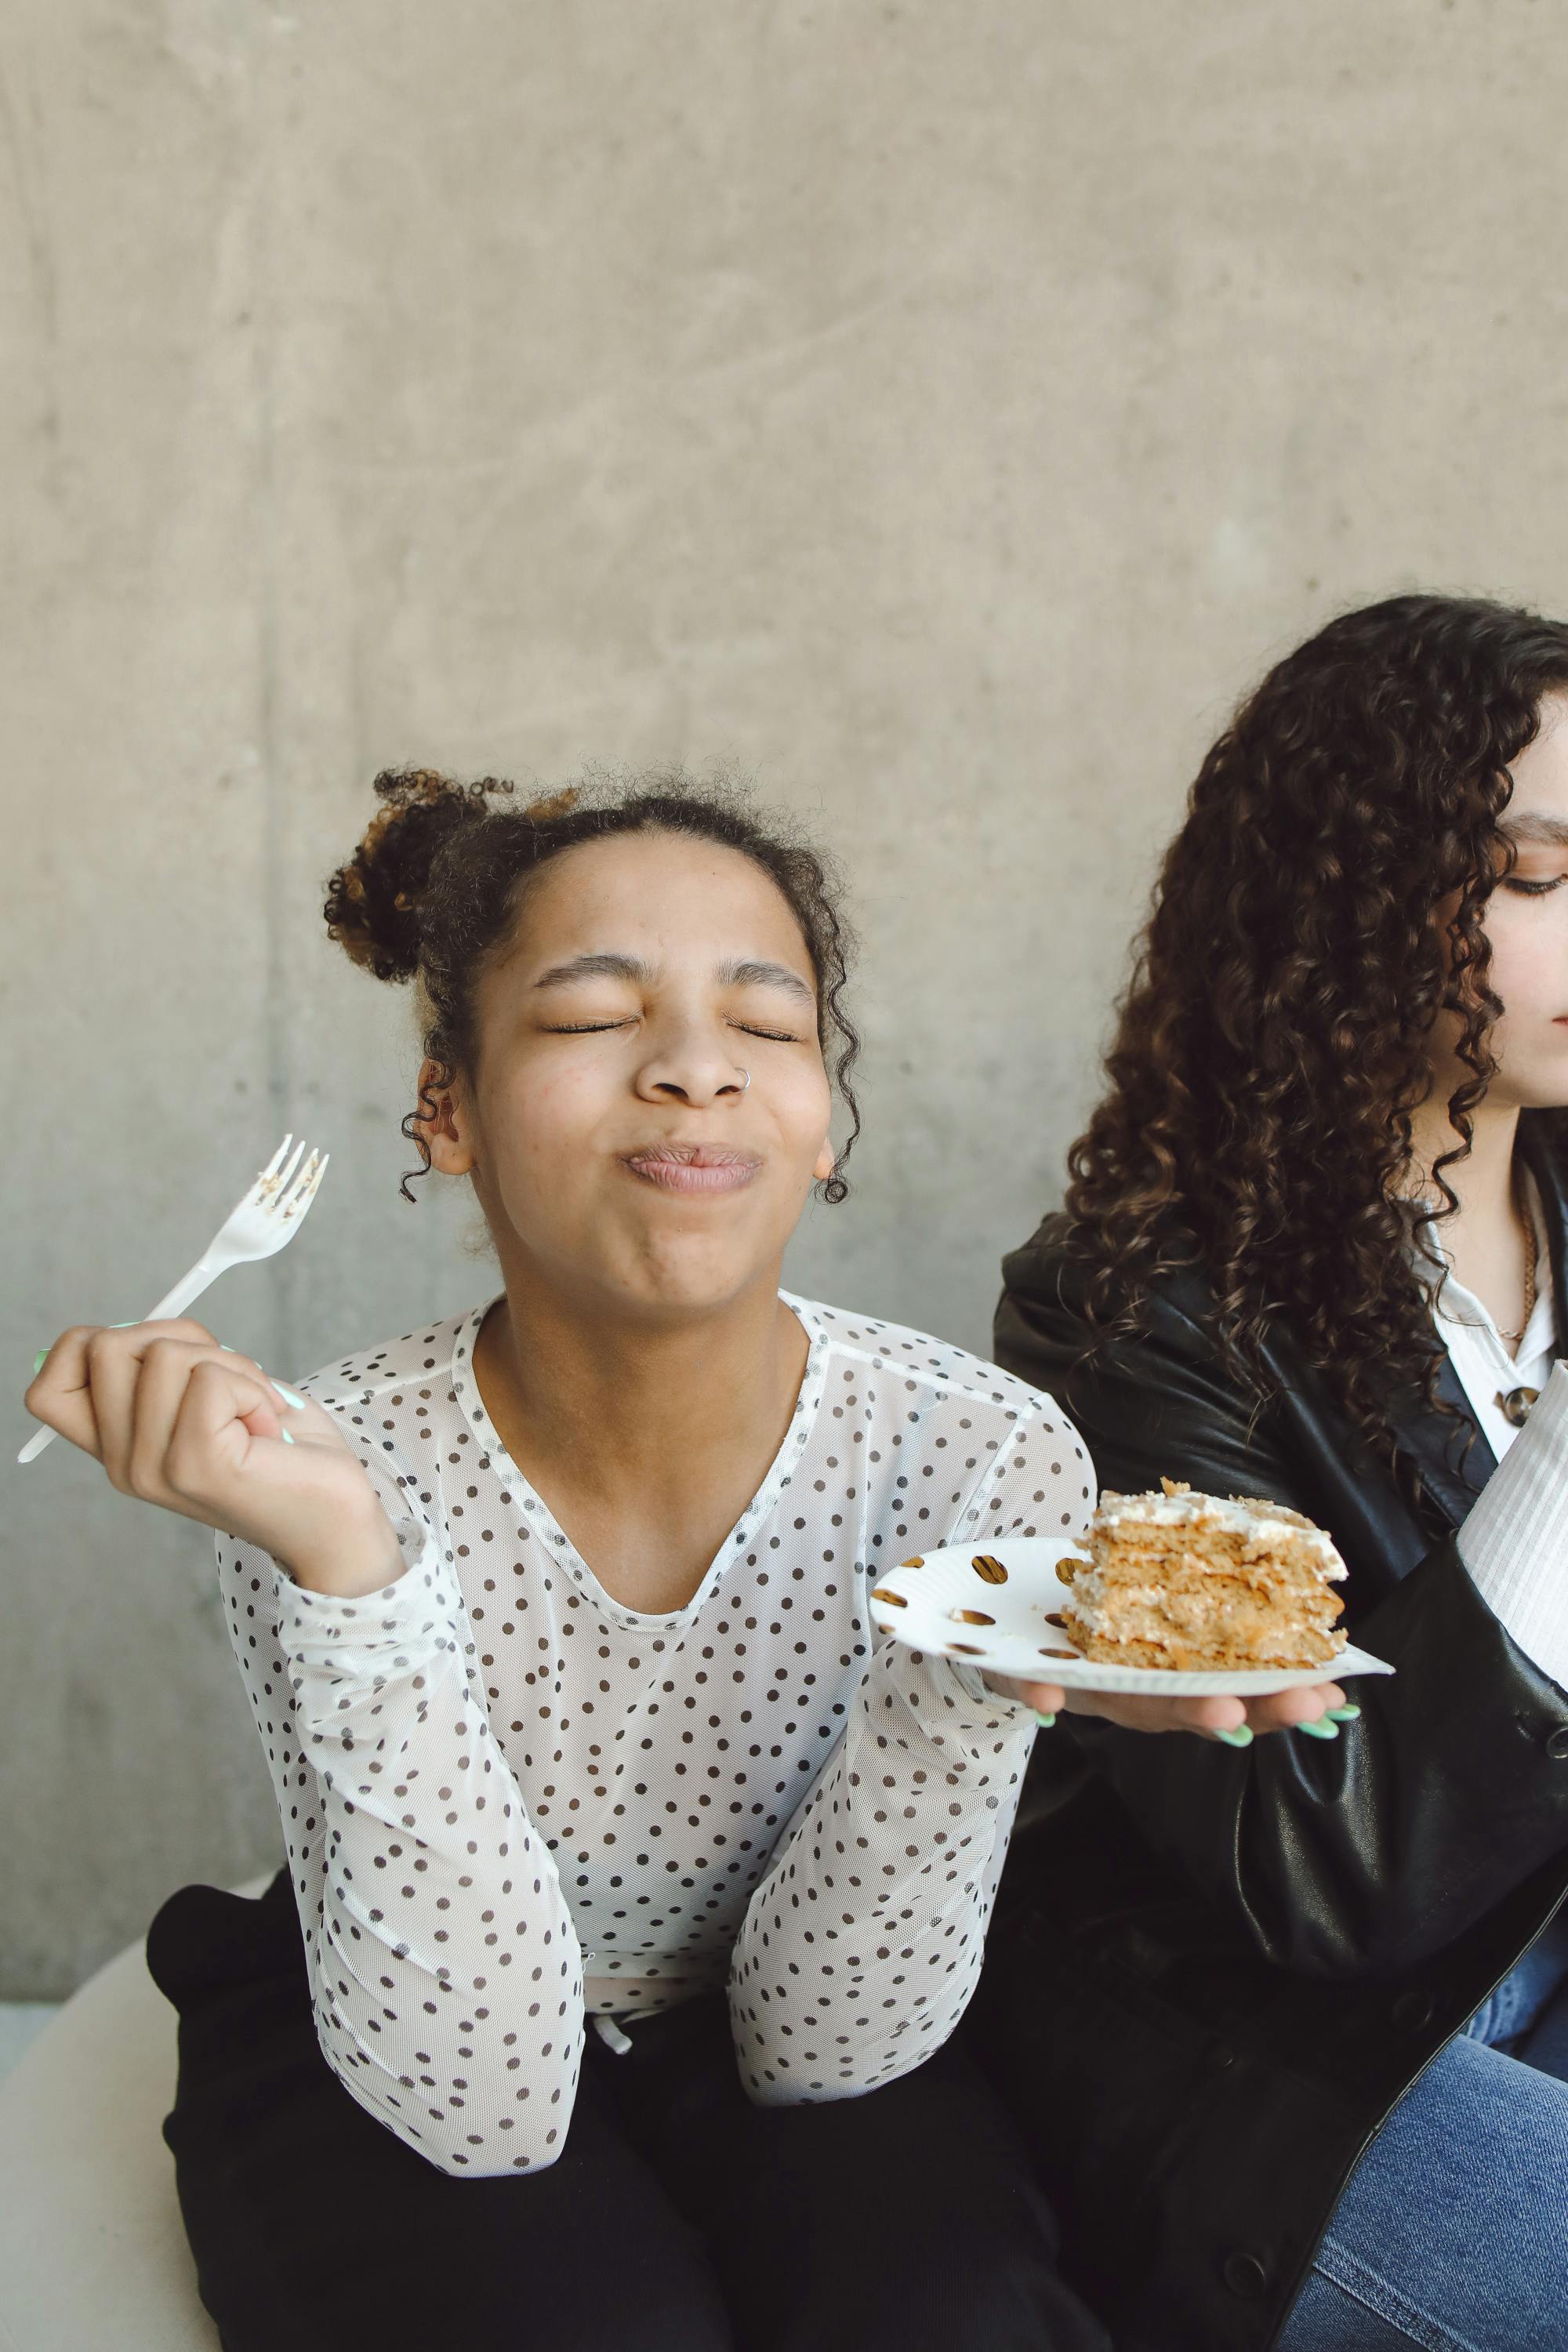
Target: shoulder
{"x":418,"y":1360}
{"x":1043,"y":1266}
{"x":395,"y":1400}
{"x":1046,"y":1285}
{"x":916,"y":1365}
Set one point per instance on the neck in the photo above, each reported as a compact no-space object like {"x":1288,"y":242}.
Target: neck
{"x":590,"y":1398}
{"x":1487,"y":1242}
{"x":1483,"y":1182}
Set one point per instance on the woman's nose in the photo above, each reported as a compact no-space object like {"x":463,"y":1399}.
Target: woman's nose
{"x":693,"y":1068}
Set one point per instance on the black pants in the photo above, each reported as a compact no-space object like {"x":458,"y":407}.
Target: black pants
{"x":677,"y":2219}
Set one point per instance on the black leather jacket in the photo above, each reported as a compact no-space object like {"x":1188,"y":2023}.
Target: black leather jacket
{"x":1213,"y":1970}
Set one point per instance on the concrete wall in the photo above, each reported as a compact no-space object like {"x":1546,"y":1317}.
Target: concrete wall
{"x":939,"y":410}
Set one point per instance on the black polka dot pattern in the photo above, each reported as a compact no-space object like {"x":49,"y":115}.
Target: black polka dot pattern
{"x":508,"y":1800}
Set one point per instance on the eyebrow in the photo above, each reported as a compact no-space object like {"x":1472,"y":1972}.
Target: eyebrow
{"x":609,"y":965}
{"x":1551,"y":830}
{"x":596,"y":967}
{"x":766,"y":975}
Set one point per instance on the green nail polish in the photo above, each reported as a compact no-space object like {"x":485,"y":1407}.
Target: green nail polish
{"x":1347,"y":1714}
{"x":1322,"y":1729}
{"x":124,"y":1326}
{"x":1044,"y":1721}
{"x":38,"y":1362}
{"x":288,"y":1396}
{"x":1240,"y":1738}
{"x":285,"y":1437}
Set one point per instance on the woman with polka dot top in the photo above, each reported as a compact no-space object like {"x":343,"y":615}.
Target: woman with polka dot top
{"x":553,"y":1621}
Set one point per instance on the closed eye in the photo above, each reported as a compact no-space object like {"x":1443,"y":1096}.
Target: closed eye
{"x":1533,"y":889}
{"x":598,"y":1028}
{"x":583,"y":1028}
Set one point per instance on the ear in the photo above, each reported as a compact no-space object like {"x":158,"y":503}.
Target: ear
{"x":827,"y":1161}
{"x":442,"y":1122}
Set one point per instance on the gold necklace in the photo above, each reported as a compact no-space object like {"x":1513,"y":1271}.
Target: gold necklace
{"x":1522,"y":1205}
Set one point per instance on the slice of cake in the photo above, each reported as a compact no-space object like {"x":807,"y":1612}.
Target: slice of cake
{"x":1200,"y":1582}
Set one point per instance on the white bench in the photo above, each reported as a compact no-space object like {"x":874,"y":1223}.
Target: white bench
{"x":92,"y":2253}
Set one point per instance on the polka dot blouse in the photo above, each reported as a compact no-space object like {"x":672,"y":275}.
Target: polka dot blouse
{"x":507,"y":1801}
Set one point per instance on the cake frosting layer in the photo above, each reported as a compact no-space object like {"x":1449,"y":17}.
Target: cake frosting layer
{"x":1263,"y":1527}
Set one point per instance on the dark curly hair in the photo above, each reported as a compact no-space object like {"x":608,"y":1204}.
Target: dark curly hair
{"x":1322,"y":904}
{"x":440,"y":878}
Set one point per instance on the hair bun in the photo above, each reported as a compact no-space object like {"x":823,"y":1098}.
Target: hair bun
{"x":372,"y":902}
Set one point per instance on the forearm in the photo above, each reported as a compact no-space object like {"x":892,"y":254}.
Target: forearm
{"x":860,"y":1948}
{"x":445,"y":1971}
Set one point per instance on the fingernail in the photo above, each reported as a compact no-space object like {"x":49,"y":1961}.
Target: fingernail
{"x":1240,"y":1738}
{"x":227,"y":1349}
{"x":285,"y":1437}
{"x":38,"y":1362}
{"x":1044,"y":1721}
{"x":124,"y":1326}
{"x":1322,"y":1729}
{"x":1344,"y":1713}
{"x":288,"y":1396}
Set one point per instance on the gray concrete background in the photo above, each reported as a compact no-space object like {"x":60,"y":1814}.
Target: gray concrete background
{"x":939,"y":410}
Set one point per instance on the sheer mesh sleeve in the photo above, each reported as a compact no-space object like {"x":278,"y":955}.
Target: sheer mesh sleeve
{"x":445,"y":1968}
{"x":860,"y":1949}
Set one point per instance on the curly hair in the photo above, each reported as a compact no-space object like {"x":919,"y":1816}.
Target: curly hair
{"x":1321,"y":906}
{"x":438,"y":881}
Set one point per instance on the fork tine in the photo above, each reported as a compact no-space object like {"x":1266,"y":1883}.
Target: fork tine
{"x":276,"y":1161}
{"x":305,"y":1190}
{"x":286,"y":1177}
{"x":300,"y":1182}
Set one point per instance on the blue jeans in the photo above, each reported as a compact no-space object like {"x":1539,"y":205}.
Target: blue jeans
{"x":1453,"y":2233}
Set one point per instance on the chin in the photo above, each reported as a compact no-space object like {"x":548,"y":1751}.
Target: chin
{"x":685,"y":1282}
{"x":1540,"y":1083}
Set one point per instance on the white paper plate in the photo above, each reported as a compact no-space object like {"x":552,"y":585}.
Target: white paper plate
{"x":954,"y":1602}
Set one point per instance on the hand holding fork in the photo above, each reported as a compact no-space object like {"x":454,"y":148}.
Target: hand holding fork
{"x":259,"y":1226}
{"x":179,"y":1420}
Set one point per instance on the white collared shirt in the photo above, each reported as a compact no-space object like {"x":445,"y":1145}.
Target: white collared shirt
{"x":1485,"y":1369}
{"x":1515,"y":1541}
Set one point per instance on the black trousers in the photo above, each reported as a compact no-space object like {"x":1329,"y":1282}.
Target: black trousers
{"x":678,"y":2218}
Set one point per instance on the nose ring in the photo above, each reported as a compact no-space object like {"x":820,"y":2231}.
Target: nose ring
{"x":746,"y":1081}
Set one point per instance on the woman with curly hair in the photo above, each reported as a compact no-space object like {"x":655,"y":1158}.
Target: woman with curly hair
{"x":1313,"y":1249}
{"x":633,"y":1890}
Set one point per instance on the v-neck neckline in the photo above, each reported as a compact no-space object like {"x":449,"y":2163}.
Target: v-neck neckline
{"x":547,"y":1527}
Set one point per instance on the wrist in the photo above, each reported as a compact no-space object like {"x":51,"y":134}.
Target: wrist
{"x":363,"y":1557}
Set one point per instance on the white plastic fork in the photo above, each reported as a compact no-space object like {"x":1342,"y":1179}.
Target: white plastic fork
{"x":270,"y":1214}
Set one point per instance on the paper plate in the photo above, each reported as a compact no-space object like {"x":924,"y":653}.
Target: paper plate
{"x":996,"y":1605}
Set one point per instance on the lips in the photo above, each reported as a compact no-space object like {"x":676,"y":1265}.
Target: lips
{"x":692,"y":1168}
